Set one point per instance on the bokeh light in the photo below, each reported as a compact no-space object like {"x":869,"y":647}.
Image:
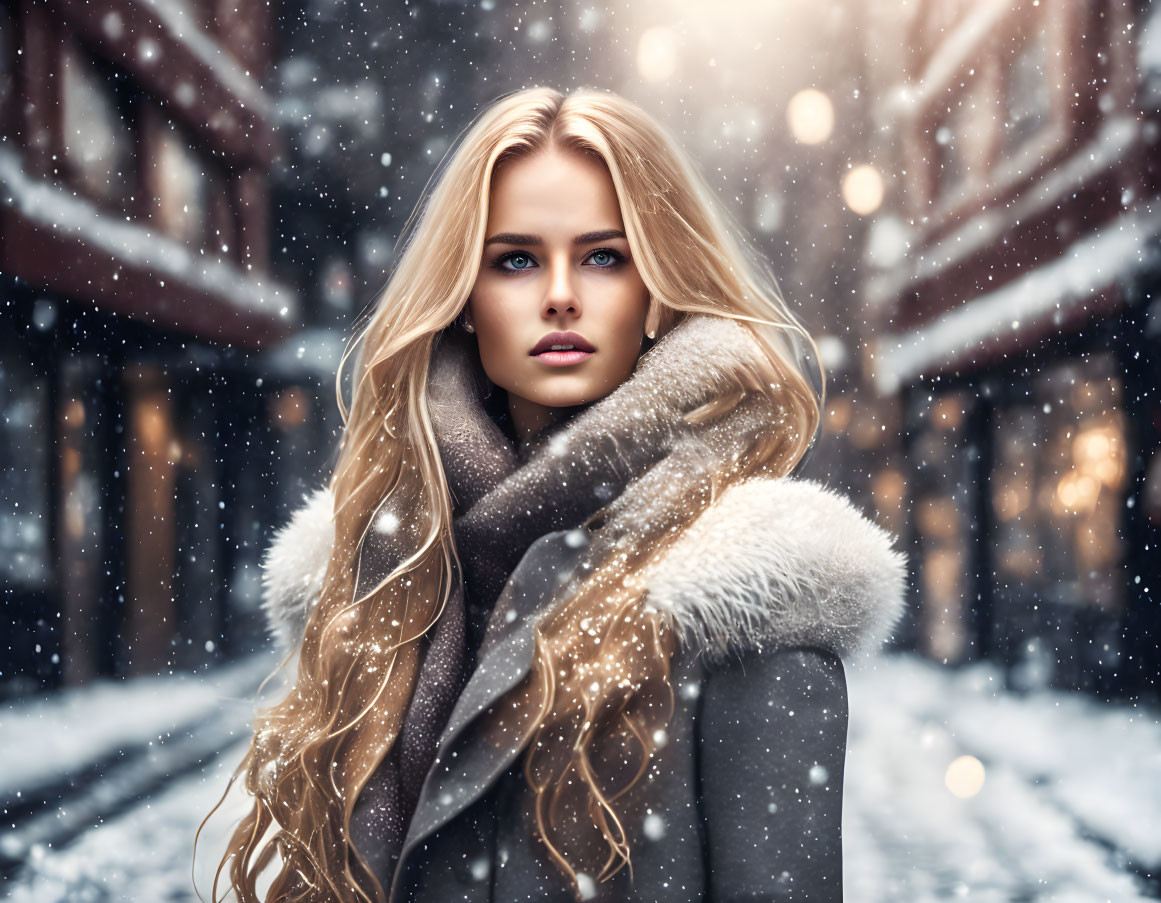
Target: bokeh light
{"x":862,"y":189}
{"x":657,"y":53}
{"x":965,"y":776}
{"x":811,"y":116}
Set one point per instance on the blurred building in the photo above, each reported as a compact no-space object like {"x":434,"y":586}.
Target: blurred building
{"x":1011,"y":273}
{"x":145,"y":434}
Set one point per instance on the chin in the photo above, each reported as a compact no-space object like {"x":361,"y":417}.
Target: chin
{"x":566,"y":390}
{"x":570,"y":398}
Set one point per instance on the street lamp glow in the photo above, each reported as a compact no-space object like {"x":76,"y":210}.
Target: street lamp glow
{"x":657,"y":53}
{"x":811,"y":116}
{"x":863,"y":189}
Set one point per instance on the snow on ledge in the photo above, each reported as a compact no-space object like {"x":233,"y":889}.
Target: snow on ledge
{"x":1088,"y":265}
{"x":53,"y":207}
{"x":183,"y":29}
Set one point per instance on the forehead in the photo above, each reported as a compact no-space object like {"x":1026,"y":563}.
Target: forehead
{"x":553,"y":191}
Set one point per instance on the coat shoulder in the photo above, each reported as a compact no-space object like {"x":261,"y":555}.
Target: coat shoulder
{"x":772,"y":730}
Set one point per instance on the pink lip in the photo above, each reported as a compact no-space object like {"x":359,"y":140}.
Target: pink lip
{"x":562,"y":338}
{"x":562,"y":358}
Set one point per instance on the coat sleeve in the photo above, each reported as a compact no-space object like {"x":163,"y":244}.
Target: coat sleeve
{"x":772,"y":731}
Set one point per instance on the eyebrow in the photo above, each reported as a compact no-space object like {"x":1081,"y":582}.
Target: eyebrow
{"x":515,"y":238}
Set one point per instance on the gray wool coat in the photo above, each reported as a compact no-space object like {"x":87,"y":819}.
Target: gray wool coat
{"x":772,"y":588}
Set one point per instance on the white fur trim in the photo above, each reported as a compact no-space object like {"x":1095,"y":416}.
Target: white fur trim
{"x":780,"y":561}
{"x":770,"y":562}
{"x":295,"y":565}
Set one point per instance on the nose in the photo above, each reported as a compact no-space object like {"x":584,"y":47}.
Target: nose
{"x":560,"y":295}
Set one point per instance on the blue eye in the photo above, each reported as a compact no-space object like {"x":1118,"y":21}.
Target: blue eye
{"x":514,"y":256}
{"x":602,"y":258}
{"x":611,"y":256}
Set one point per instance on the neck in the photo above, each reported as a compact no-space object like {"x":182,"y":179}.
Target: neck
{"x":530,"y":419}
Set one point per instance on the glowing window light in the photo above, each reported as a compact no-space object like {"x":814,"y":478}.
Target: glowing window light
{"x":1077,"y":492}
{"x":1098,"y":452}
{"x":811,"y":116}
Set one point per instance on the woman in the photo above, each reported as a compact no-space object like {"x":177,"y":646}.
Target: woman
{"x":564,"y":627}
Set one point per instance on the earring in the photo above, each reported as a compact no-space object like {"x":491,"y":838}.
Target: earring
{"x":469,"y":327}
{"x":651,"y":333}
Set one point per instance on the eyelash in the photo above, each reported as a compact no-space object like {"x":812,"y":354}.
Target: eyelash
{"x":498,"y":263}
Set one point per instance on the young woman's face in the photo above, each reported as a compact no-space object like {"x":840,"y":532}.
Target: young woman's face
{"x":556,"y":259}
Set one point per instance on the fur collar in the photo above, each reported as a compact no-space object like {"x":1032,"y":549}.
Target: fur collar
{"x":771,"y":562}
{"x":782,"y":562}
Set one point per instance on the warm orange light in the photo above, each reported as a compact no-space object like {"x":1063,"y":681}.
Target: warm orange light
{"x":1097,"y":451}
{"x":947,"y":413}
{"x":942,"y":581}
{"x":70,"y":464}
{"x":887,"y":487}
{"x":1023,"y":562}
{"x":73,"y":413}
{"x":154,"y":428}
{"x":862,"y":189}
{"x":838,"y":417}
{"x":938,"y":516}
{"x":290,"y":408}
{"x":1077,"y":491}
{"x":1013,"y":498}
{"x":810,"y":115}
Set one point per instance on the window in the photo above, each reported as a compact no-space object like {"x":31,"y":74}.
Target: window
{"x":1058,"y":487}
{"x":24,"y":453}
{"x":943,"y":505}
{"x":180,"y":186}
{"x":198,"y":573}
{"x":152,"y":452}
{"x":8,"y":57}
{"x":81,"y":524}
{"x":1026,"y":97}
{"x":98,"y":131}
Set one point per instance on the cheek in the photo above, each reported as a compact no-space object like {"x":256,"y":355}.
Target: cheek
{"x":627,"y":324}
{"x":632,"y":305}
{"x":491,"y":310}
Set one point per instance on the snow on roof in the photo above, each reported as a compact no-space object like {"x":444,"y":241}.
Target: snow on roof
{"x":1113,"y":142}
{"x":1149,"y":53}
{"x":130,"y":244}
{"x":1091,"y":263}
{"x":209,"y":52}
{"x":315,"y":351}
{"x":1149,"y":42}
{"x":954,"y":53}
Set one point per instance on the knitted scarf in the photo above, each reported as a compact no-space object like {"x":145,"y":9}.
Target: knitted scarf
{"x":629,"y":453}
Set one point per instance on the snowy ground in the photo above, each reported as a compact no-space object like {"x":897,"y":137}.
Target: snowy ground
{"x":1069,"y":808}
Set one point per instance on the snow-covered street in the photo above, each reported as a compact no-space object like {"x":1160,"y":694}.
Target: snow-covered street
{"x":1067,"y":801}
{"x":1068,"y":807}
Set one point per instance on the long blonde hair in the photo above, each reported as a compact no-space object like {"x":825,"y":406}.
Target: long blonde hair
{"x":313,"y":752}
